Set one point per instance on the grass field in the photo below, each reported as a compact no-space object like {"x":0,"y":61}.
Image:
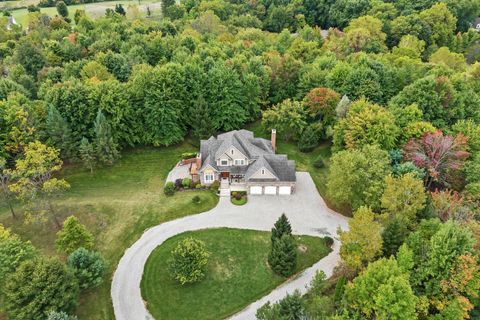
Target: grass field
{"x":92,"y":10}
{"x":117,"y":204}
{"x":237,"y":274}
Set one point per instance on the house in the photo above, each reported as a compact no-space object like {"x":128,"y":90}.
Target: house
{"x":239,"y":161}
{"x":476,"y":24}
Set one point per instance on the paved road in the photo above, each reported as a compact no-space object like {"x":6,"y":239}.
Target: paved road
{"x":305,"y":209}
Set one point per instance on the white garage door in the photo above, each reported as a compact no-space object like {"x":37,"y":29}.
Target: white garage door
{"x":255,"y":190}
{"x":285,"y":190}
{"x":270,"y":190}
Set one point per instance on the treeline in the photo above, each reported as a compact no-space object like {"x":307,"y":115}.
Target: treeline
{"x":156,"y":81}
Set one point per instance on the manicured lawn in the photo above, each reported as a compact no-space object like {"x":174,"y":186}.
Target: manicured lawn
{"x":237,"y":274}
{"x":93,"y":10}
{"x":117,"y":204}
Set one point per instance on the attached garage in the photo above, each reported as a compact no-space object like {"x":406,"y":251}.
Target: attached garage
{"x":285,"y":190}
{"x":271,"y":190}
{"x":255,"y":190}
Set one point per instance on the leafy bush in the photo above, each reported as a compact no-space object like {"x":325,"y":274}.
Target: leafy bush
{"x":328,"y":241}
{"x":196,"y":199}
{"x":169,"y":188}
{"x":178,"y":184}
{"x":238,"y":196}
{"x":188,"y":155}
{"x":189,"y":260}
{"x":318,"y":163}
{"x":198,"y":186}
{"x":186,"y":183}
{"x":215,"y":185}
{"x":234,"y":194}
{"x":88,"y":267}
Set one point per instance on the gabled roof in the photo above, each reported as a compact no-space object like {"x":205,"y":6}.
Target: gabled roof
{"x":258,"y":150}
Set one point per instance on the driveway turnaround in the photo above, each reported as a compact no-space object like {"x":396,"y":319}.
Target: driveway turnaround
{"x":308,"y":215}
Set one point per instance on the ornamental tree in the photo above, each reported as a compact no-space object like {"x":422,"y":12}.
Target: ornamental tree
{"x":73,"y":235}
{"x":188,"y":261}
{"x":440,"y":155}
{"x":36,"y":184}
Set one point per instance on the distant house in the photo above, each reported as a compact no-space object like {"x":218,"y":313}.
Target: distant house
{"x":242,"y":162}
{"x":476,"y":24}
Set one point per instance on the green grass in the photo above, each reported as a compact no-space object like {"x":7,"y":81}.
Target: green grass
{"x":237,"y":274}
{"x":240,"y":202}
{"x":117,"y":204}
{"x":92,"y":10}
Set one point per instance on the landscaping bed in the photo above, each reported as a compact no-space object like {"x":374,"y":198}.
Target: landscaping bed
{"x":238,"y":198}
{"x":237,"y":274}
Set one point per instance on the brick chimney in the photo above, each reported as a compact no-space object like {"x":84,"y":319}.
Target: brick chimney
{"x":198,"y":161}
{"x":274,"y":140}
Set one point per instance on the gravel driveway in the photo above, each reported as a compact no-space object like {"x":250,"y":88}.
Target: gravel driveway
{"x":305,"y":209}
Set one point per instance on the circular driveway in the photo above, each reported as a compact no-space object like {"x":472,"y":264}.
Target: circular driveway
{"x":308,"y":215}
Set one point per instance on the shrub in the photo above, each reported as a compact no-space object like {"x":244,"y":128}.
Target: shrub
{"x":186,"y":183}
{"x":169,"y":188}
{"x":73,"y":236}
{"x":189,"y":260}
{"x":88,"y":267}
{"x":283,"y":257}
{"x":238,"y":196}
{"x":234,"y":194}
{"x":188,"y":155}
{"x":178,"y":184}
{"x":215,"y":185}
{"x":193,"y":184}
{"x":198,"y":185}
{"x":196,"y":199}
{"x":318,"y":163}
{"x":328,"y":241}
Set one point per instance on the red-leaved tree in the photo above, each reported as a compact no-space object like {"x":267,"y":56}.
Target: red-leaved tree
{"x":438,"y":154}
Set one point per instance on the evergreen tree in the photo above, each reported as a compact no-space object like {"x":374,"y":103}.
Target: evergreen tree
{"x":281,"y":227}
{"x":119,"y":9}
{"x":393,"y":237}
{"x":59,"y":134}
{"x":87,"y":154}
{"x":62,"y":9}
{"x":105,"y":146}
{"x":202,"y":126}
{"x":88,"y":267}
{"x":283,"y":257}
{"x":165,"y":5}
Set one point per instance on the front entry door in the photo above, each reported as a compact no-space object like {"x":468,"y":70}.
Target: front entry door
{"x":224,"y":175}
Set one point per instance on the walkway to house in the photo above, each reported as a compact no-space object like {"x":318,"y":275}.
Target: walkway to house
{"x":306,"y":210}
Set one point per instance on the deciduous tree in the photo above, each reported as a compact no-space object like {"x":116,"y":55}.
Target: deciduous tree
{"x":189,"y":260}
{"x":73,"y":235}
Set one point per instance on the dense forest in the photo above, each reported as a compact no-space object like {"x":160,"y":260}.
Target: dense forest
{"x":394,"y":85}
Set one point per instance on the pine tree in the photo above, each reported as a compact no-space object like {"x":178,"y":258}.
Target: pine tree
{"x":281,"y":227}
{"x":202,"y":126}
{"x":62,"y":9}
{"x":105,"y":146}
{"x":283,"y":257}
{"x":119,"y":9}
{"x":87,"y":154}
{"x":60,"y":135}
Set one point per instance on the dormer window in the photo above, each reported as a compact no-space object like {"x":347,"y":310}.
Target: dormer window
{"x":224,"y":162}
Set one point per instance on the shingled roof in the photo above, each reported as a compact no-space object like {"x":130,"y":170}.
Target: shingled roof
{"x":258,"y":150}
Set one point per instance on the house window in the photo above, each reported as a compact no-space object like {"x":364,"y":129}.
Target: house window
{"x":209,"y":177}
{"x":231,"y":151}
{"x":263,"y":171}
{"x":239,"y":162}
{"x":224,"y":162}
